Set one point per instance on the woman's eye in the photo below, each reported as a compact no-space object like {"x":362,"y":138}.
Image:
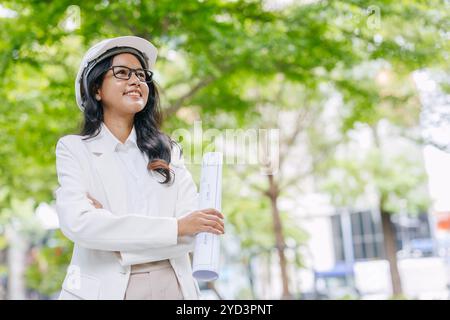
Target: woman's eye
{"x":141,"y":75}
{"x":121,"y":72}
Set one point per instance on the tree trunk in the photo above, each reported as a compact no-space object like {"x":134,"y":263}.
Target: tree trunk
{"x":389,"y":239}
{"x":390,"y":247}
{"x":279,"y":238}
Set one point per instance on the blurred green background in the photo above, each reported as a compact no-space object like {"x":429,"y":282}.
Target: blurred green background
{"x":319,"y":71}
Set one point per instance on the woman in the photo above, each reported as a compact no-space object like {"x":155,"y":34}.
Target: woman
{"x":125,"y":197}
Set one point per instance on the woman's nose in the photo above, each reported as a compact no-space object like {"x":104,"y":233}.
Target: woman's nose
{"x":134,"y":78}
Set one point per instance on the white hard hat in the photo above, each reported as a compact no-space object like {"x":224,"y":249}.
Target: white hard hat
{"x":113,"y":46}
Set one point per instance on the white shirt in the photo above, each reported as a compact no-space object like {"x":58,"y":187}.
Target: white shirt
{"x":133,"y":166}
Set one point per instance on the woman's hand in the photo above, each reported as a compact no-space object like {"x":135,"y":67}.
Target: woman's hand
{"x":95,"y":203}
{"x":206,"y":220}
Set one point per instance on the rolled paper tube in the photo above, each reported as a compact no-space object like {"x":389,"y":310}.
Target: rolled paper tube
{"x":205,"y":266}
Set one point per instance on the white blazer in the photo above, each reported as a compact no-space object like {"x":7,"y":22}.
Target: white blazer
{"x":109,"y":240}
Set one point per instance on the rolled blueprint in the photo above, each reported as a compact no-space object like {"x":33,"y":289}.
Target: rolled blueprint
{"x":205,"y":266}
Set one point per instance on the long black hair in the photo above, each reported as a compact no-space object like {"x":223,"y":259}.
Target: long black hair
{"x":147,"y":122}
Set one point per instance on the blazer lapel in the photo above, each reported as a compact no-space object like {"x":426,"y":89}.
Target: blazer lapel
{"x":111,"y":179}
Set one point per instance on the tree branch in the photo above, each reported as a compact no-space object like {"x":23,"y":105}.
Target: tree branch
{"x":299,"y":126}
{"x":179,"y":102}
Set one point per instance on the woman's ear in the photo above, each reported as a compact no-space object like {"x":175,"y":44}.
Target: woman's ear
{"x":98,"y":97}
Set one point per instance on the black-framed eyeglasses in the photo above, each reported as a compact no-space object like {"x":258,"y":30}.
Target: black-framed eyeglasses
{"x":124,"y":73}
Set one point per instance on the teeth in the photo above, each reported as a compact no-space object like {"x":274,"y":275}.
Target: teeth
{"x":133,"y":93}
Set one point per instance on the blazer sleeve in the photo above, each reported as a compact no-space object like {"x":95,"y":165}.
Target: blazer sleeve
{"x":100,"y":229}
{"x":187,"y":201}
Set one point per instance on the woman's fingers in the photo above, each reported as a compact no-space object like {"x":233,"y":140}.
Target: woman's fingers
{"x":213,"y":224}
{"x":95,"y":203}
{"x":207,"y":220}
{"x":211,"y":230}
{"x":212,"y":218}
{"x":90,"y":198}
{"x":212,"y":211}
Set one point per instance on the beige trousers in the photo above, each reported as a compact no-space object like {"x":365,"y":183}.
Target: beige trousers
{"x":153,"y":281}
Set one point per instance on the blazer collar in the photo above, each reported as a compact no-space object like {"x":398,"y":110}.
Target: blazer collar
{"x":106,"y":142}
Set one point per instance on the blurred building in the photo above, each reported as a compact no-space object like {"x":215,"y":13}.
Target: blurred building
{"x":345,"y":254}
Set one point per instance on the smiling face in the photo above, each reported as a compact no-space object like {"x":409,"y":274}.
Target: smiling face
{"x":123,"y":97}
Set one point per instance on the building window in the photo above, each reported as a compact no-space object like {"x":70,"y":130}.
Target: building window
{"x":367,"y":236}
